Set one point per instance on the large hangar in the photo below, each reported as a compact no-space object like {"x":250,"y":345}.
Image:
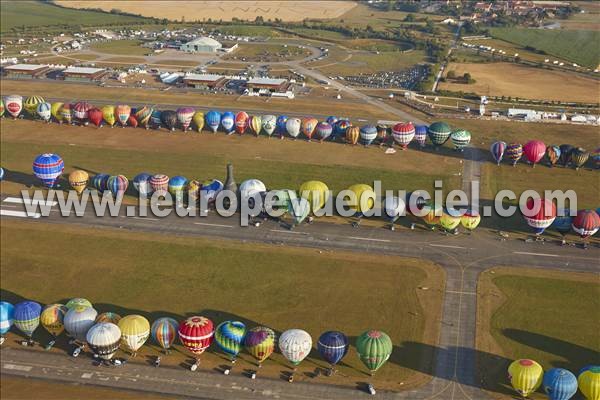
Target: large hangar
{"x":201,"y":45}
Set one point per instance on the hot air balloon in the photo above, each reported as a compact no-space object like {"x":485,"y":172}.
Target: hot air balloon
{"x":229,"y":336}
{"x":563,"y":221}
{"x":323,"y":130}
{"x":403,"y":133}
{"x":1,"y":174}
{"x":108,"y":316}
{"x":164,"y":332}
{"x":177,"y":185}
{"x":514,"y":152}
{"x":450,"y":220}
{"x":438,"y":133}
{"x":196,"y":334}
{"x":55,"y":111}
{"x":579,"y":157}
{"x":169,"y":119}
{"x":250,"y":189}
{"x":470,"y":220}
{"x":374,"y":348}
{"x":122,"y":112}
{"x":141,"y":183}
{"x":432,"y":217}
{"x":260,"y":343}
{"x":14,"y":105}
{"x":281,"y":125}
{"x":95,"y":116}
{"x":184,"y":116}
{"x":460,"y":138}
{"x":553,"y":154}
{"x":159,"y":183}
{"x":135,"y":330}
{"x":241,"y":122}
{"x":109,"y":115}
{"x":78,"y":321}
{"x":269,"y":123}
{"x":81,"y":111}
{"x":193,"y":190}
{"x":2,"y":108}
{"x":209,"y":190}
{"x":393,"y":208}
{"x":559,"y":384}
{"x":117,"y":184}
{"x":352,"y":135}
{"x":27,"y":317}
{"x":78,"y":180}
{"x":255,"y":124}
{"x":586,"y":223}
{"x":308,"y":126}
{"x":534,"y":151}
{"x":52,"y":319}
{"x":78,"y":302}
{"x":367,"y":133}
{"x":497,"y":149}
{"x":298,"y":209}
{"x":156,"y":118}
{"x":227,"y":122}
{"x":44,"y":111}
{"x":295,"y":345}
{"x":292,"y":127}
{"x":316,"y":192}
{"x":66,"y":113}
{"x":383,"y":133}
{"x":525,"y":376}
{"x":48,"y":168}
{"x":333,"y":347}
{"x":132,"y":121}
{"x":99,"y":182}
{"x":565,"y":154}
{"x":332,"y":120}
{"x":421,"y":135}
{"x":7,"y":315}
{"x":589,"y":382}
{"x":104,"y":339}
{"x":143,"y":115}
{"x":31,"y":104}
{"x":340,"y":128}
{"x":198,"y":120}
{"x":539,"y":214}
{"x":362,"y":201}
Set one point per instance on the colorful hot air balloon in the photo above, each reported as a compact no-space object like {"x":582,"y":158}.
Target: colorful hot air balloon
{"x":52,"y":319}
{"x":255,"y":124}
{"x":81,"y":111}
{"x":534,"y":151}
{"x":141,"y":183}
{"x":553,"y":154}
{"x":383,"y":133}
{"x":241,"y":122}
{"x":169,"y":119}
{"x":332,"y":120}
{"x":595,"y":156}
{"x":31,"y":104}
{"x":298,"y":209}
{"x":589,"y":382}
{"x":565,"y":154}
{"x":109,"y":115}
{"x":108,"y":316}
{"x":323,"y":130}
{"x":393,"y":208}
{"x":374,"y":348}
{"x":333,"y":346}
{"x":368,"y":133}
{"x":209,"y":189}
{"x":292,"y":127}
{"x":559,"y":384}
{"x":1,"y":174}
{"x":177,"y":185}
{"x":44,"y":111}
{"x":281,"y":125}
{"x":117,"y":184}
{"x":260,"y":343}
{"x":159,"y":183}
{"x":143,"y":115}
{"x":450,"y":220}
{"x":95,"y":116}
{"x":525,"y":376}
{"x":497,"y":149}
{"x":432,"y":217}
{"x":104,"y":339}
{"x":316,"y":192}
{"x":227,"y":122}
{"x":135,"y":330}
{"x":27,"y":317}
{"x":586,"y":223}
{"x":122,"y":112}
{"x":184,"y":117}
{"x":79,"y":320}
{"x":438,"y":133}
{"x":460,"y":138}
{"x":539,"y":214}
{"x":470,"y":220}
{"x":48,"y":168}
{"x":2,"y":108}
{"x":229,"y":336}
{"x":78,"y":180}
{"x":14,"y":105}
{"x":579,"y":157}
{"x":514,"y":152}
{"x":99,"y":182}
{"x":340,"y":128}
{"x":308,"y":126}
{"x":78,"y":302}
{"x":196,"y":334}
{"x":269,"y":123}
{"x":164,"y":332}
{"x":156,"y":118}
{"x":198,"y":120}
{"x":295,"y":345}
{"x":7,"y":316}
{"x":55,"y":111}
{"x":403,"y":133}
{"x":352,"y":135}
{"x":421,"y":134}
{"x":66,"y":113}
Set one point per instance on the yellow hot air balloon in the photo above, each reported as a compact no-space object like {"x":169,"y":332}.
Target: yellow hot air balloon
{"x":432,"y":218}
{"x":78,"y":180}
{"x":31,"y":104}
{"x":108,"y":113}
{"x":525,"y":376}
{"x":589,"y":382}
{"x":135,"y":330}
{"x":352,"y":134}
{"x":52,"y":318}
{"x":470,"y":220}
{"x":316,"y":192}
{"x":198,"y":120}
{"x":449,"y":222}
{"x":256,"y":124}
{"x":364,"y":198}
{"x":55,"y":111}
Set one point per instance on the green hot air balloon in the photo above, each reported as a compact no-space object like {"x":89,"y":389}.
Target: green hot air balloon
{"x":374,"y":349}
{"x":439,"y":132}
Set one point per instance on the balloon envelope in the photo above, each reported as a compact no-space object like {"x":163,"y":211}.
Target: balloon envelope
{"x":31,"y":105}
{"x":260,"y":342}
{"x":514,"y":152}
{"x":403,"y":133}
{"x":78,"y":180}
{"x":438,"y":133}
{"x":227,"y":122}
{"x":295,"y":345}
{"x":135,"y":330}
{"x":316,"y":192}
{"x":229,"y":336}
{"x":374,"y":348}
{"x":7,"y":316}
{"x":534,"y":151}
{"x":27,"y":317}
{"x":367,"y":133}
{"x":78,"y":320}
{"x":586,"y":223}
{"x":559,"y":384}
{"x":104,"y":339}
{"x":589,"y":382}
{"x":48,"y":168}
{"x":525,"y":376}
{"x":196,"y":334}
{"x":44,"y":111}
{"x":164,"y":331}
{"x":52,"y":318}
{"x":333,"y":346}
{"x":539,"y":214}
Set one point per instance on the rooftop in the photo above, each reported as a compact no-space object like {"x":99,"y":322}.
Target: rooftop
{"x":266,"y":81}
{"x":25,"y":67}
{"x":204,"y":41}
{"x":203,"y":77}
{"x":83,"y":70}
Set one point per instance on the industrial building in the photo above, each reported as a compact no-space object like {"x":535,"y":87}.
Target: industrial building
{"x":201,"y":45}
{"x":270,"y":87}
{"x":205,"y":81}
{"x":26,"y":71}
{"x":84,"y":74}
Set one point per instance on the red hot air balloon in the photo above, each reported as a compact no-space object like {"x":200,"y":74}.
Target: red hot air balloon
{"x":403,"y":133}
{"x":196,"y":333}
{"x":95,"y":116}
{"x":241,"y":122}
{"x":586,"y":223}
{"x":539,"y":214}
{"x":534,"y":150}
{"x":132,"y":121}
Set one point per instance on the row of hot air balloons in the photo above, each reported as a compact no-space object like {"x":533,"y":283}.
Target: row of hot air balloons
{"x":104,"y":333}
{"x":82,"y":112}
{"x":535,"y":150}
{"x":526,"y":376}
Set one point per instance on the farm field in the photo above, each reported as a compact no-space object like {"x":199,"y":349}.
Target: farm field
{"x":525,"y":313}
{"x":121,"y":47}
{"x":363,"y":15}
{"x":223,"y":288}
{"x":526,"y":82}
{"x":225,"y":10}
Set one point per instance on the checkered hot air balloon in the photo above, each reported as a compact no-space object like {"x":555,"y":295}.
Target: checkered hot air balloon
{"x":403,"y":133}
{"x":438,"y":133}
{"x":460,"y":138}
{"x":48,"y":168}
{"x":229,"y":336}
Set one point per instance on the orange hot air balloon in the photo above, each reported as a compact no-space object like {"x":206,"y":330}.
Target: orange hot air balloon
{"x":352,"y":135}
{"x":308,"y":126}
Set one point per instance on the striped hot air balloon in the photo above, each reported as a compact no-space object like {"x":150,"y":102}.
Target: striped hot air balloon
{"x":99,"y":182}
{"x":292,"y":126}
{"x":460,"y":138}
{"x":241,"y":122}
{"x":228,"y":122}
{"x":421,"y":135}
{"x":108,"y":316}
{"x":383,"y":133}
{"x":514,"y":152}
{"x":31,"y":104}
{"x":403,"y":134}
{"x":164,"y":332}
{"x":66,"y":113}
{"x":2,"y":108}
{"x":141,"y":183}
{"x":255,"y":124}
{"x":196,"y":334}
{"x":122,"y":112}
{"x":260,"y":343}
{"x":367,"y":133}
{"x":579,"y":157}
{"x":229,"y":336}
{"x":156,"y":118}
{"x":352,"y":135}
{"x":44,"y":111}
{"x":14,"y":105}
{"x":55,"y":111}
{"x":333,"y":346}
{"x":589,"y":382}
{"x":108,"y":113}
{"x":525,"y":376}
{"x":48,"y":168}
{"x":323,"y":130}
{"x":159,"y":183}
{"x":213,"y":119}
{"x":198,"y":120}
{"x":565,"y":154}
{"x":78,"y":321}
{"x":81,"y":111}
{"x":169,"y":119}
{"x":559,"y":384}
{"x":497,"y":149}
{"x":281,"y":125}
{"x":184,"y":117}
{"x":117,"y":184}
{"x":308,"y":126}
{"x":374,"y":348}
{"x":143,"y":115}
{"x":586,"y":223}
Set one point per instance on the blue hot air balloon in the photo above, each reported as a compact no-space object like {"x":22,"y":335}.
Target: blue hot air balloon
{"x":100,"y":182}
{"x":340,"y":128}
{"x":27,"y":317}
{"x":141,"y":183}
{"x":368,"y":133}
{"x":497,"y":149}
{"x":213,"y":119}
{"x":420,"y":135}
{"x":333,"y":346}
{"x":155,"y":118}
{"x":48,"y":168}
{"x":562,"y":224}
{"x":177,"y":185}
{"x":559,"y":384}
{"x":281,"y":122}
{"x":7,"y":315}
{"x":228,"y":122}
{"x":332,"y":120}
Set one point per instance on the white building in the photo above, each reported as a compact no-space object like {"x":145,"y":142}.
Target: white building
{"x":527,"y":115}
{"x":201,"y":45}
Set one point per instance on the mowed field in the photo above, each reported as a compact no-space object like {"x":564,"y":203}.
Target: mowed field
{"x":507,"y":79}
{"x":121,"y":47}
{"x":225,"y":10}
{"x":525,"y":313}
{"x":281,"y":287}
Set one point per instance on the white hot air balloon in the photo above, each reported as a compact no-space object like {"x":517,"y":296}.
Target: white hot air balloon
{"x":295,"y":345}
{"x":269,"y":123}
{"x":78,"y":321}
{"x":43,"y":111}
{"x":104,"y":339}
{"x":292,"y":126}
{"x":13,"y":104}
{"x":393,"y":208}
{"x":250,"y":189}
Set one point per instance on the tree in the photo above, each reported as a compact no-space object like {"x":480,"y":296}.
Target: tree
{"x":409,"y":18}
{"x":467,"y":78}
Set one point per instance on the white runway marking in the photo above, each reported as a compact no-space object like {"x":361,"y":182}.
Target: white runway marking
{"x":369,"y":239}
{"x":18,"y":200}
{"x":456,"y":292}
{"x":446,"y":246}
{"x":87,"y":375}
{"x":218,"y":225}
{"x":20,"y":214}
{"x":525,"y":253}
{"x":293,"y":232}
{"x":9,"y":205}
{"x":15,"y":367}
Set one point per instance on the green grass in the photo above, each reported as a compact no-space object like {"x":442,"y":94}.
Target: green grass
{"x":319,"y":33}
{"x":247,"y":30}
{"x":578,"y":46}
{"x":367,"y":63}
{"x":121,"y":47}
{"x":29,"y":14}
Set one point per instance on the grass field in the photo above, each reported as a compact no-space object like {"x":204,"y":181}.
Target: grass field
{"x":376,"y":45}
{"x":121,"y":47}
{"x":268,"y":52}
{"x":247,"y":30}
{"x":575,"y":45}
{"x":525,"y":82}
{"x":525,"y":313}
{"x":257,"y":284}
{"x":320,"y":33}
{"x":18,"y":14}
{"x":363,"y":15}
{"x":222,"y":10}
{"x":367,"y":63}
